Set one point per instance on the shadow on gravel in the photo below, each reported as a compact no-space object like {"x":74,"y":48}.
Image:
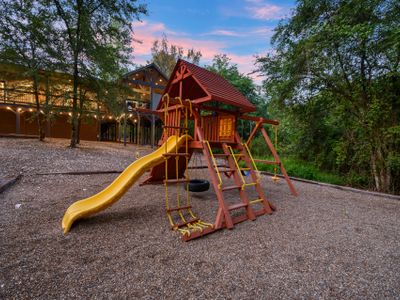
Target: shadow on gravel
{"x":110,"y":218}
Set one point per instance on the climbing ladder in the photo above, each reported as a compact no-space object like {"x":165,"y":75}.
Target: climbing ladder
{"x":180,"y":217}
{"x":232,"y":153}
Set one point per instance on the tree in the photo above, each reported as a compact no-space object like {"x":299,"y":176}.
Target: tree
{"x":24,"y":28}
{"x":92,"y":39}
{"x":345,"y":57}
{"x":165,"y":55}
{"x":222,"y":65}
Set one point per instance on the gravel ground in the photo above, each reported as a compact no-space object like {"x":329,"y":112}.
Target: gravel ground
{"x":326,"y":243}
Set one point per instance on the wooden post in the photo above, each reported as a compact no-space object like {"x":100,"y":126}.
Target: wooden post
{"x":18,"y":122}
{"x":259,"y":123}
{"x":223,"y":211}
{"x":276,"y":157}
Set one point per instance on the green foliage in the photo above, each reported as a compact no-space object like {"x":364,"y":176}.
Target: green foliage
{"x":222,"y":65}
{"x":165,"y":55}
{"x":305,"y":170}
{"x":24,"y":30}
{"x":334,"y":79}
{"x":92,"y":40}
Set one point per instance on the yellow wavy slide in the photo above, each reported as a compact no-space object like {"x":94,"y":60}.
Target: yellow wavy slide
{"x":120,"y":185}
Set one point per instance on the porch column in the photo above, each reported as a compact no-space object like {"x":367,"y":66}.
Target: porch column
{"x":17,"y":122}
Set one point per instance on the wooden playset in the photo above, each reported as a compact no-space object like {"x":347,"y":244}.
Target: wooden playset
{"x":200,"y":111}
{"x":207,"y":102}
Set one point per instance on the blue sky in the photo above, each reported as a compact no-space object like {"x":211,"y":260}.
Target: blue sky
{"x":241,"y":29}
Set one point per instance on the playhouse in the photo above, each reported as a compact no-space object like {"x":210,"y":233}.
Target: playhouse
{"x":200,"y":111}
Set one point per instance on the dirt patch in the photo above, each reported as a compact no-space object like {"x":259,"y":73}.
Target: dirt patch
{"x":326,"y":243}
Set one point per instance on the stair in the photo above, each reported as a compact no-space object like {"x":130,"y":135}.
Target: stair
{"x":231,"y":187}
{"x":240,"y":184}
{"x":237,"y":206}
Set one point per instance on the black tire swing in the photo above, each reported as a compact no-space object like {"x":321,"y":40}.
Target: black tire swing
{"x":197,"y":185}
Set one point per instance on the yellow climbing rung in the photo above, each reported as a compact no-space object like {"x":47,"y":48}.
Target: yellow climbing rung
{"x":245,"y":169}
{"x":256,"y":201}
{"x":250,"y":184}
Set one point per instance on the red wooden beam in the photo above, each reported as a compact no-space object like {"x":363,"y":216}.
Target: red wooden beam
{"x":259,"y":119}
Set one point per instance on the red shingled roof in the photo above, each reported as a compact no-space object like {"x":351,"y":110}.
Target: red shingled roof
{"x":205,"y":86}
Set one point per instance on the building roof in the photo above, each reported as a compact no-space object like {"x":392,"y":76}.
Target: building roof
{"x":200,"y":85}
{"x":149,"y":66}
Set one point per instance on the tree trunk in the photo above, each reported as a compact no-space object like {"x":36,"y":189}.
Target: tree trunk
{"x":380,"y":171}
{"x":78,"y":135}
{"x":39,"y":117}
{"x":74,"y":121}
{"x":77,"y":49}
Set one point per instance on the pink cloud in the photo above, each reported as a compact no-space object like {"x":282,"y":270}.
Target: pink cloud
{"x":265,"y":11}
{"x":223,"y":32}
{"x":145,"y":33}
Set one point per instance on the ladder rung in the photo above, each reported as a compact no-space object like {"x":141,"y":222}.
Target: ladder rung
{"x":236,"y":206}
{"x":256,"y":201}
{"x":185,"y":223}
{"x":176,"y":127}
{"x":179,"y":208}
{"x":228,"y":170}
{"x":245,"y":169}
{"x":176,"y":154}
{"x":231,"y":187}
{"x":176,"y":180}
{"x":221,"y":155}
{"x":250,"y":184}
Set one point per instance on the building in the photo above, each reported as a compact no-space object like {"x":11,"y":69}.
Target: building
{"x":18,"y":106}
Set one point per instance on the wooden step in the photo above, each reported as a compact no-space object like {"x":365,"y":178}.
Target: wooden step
{"x":227,"y":170}
{"x":176,"y":180}
{"x":231,"y":187}
{"x":176,"y":154}
{"x":185,"y":223}
{"x":237,"y":206}
{"x":179,"y":208}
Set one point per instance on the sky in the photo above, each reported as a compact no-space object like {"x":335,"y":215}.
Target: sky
{"x":239,"y":28}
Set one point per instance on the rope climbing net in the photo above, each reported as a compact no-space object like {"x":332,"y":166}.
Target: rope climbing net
{"x":180,"y":217}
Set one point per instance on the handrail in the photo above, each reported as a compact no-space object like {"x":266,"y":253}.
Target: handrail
{"x":237,"y":166}
{"x":214,"y":162}
{"x":252,"y":161}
